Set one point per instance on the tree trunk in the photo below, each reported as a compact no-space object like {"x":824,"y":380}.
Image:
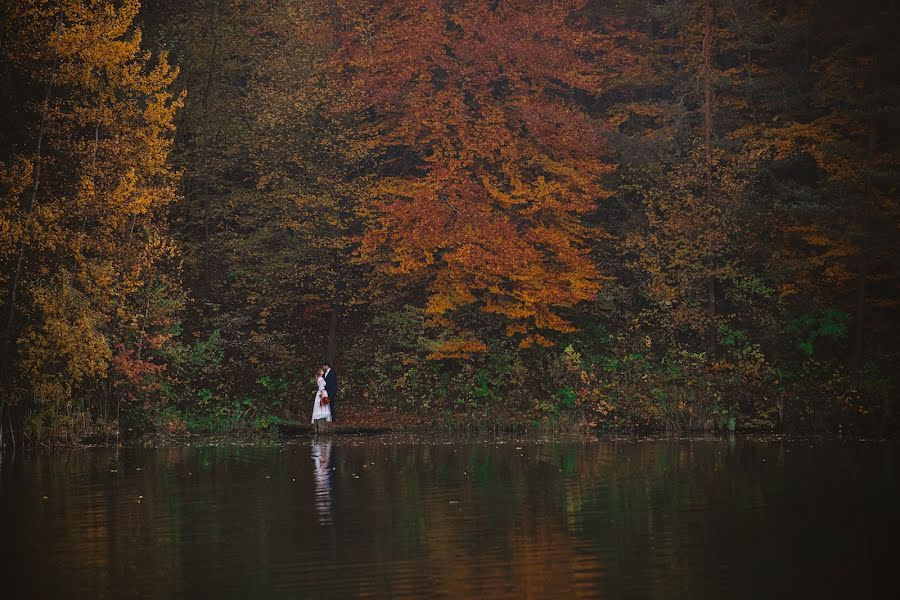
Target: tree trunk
{"x":84,"y":217}
{"x":20,"y":246}
{"x":331,"y":352}
{"x":6,"y":76}
{"x":337,"y":23}
{"x":862,"y":268}
{"x":206,"y":168}
{"x":707,"y":72}
{"x":709,"y":20}
{"x":337,"y":20}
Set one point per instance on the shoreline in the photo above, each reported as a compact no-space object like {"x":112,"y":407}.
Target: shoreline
{"x":418,"y":435}
{"x":372,"y":422}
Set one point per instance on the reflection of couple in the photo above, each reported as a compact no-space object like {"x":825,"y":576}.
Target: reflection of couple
{"x":323,"y":405}
{"x":321,"y":455}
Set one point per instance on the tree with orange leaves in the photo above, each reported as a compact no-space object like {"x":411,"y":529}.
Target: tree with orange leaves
{"x":491,"y":161}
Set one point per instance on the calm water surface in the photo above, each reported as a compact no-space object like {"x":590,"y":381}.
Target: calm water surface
{"x":406,"y":518}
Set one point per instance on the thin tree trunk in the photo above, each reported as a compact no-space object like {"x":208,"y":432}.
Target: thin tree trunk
{"x":140,"y":346}
{"x":709,"y":20}
{"x":337,"y":20}
{"x":6,"y":77}
{"x":114,"y":322}
{"x":93,"y":173}
{"x":858,"y":338}
{"x":863,"y":266}
{"x":207,"y":280}
{"x":210,"y":77}
{"x":337,"y":23}
{"x":331,"y":352}
{"x":20,"y":246}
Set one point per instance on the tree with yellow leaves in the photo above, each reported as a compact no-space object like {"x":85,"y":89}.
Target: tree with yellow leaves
{"x":86,"y":185}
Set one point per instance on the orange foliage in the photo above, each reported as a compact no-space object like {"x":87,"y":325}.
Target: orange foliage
{"x":493,"y":163}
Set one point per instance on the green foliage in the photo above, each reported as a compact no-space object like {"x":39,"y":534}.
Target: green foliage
{"x":731,"y":338}
{"x":752,"y":285}
{"x":828,"y":324}
{"x":481,"y":384}
{"x":567,"y":397}
{"x":273,"y":384}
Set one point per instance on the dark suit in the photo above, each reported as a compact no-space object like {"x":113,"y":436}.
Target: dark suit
{"x":332,"y":389}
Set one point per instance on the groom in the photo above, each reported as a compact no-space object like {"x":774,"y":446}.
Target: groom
{"x":330,"y":388}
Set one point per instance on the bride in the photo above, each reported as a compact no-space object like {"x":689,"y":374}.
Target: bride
{"x":321,"y":410}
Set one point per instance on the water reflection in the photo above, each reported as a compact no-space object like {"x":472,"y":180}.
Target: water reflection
{"x":410,"y":519}
{"x":321,"y":455}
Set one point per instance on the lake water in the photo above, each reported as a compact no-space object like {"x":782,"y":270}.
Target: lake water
{"x":413,"y":518}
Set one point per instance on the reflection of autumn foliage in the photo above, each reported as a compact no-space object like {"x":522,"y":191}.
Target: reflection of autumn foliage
{"x":520,"y":518}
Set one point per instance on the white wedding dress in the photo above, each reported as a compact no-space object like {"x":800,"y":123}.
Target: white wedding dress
{"x":319,"y":411}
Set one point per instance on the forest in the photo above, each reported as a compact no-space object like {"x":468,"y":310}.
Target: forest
{"x":592,"y":215}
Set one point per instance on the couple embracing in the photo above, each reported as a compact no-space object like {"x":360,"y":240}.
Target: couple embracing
{"x":323,"y":405}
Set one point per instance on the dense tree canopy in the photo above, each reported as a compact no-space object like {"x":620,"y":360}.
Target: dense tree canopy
{"x":613,"y":214}
{"x":86,"y":254}
{"x":491,"y":162}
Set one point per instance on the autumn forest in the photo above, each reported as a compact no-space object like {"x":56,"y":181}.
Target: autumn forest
{"x":611,"y":216}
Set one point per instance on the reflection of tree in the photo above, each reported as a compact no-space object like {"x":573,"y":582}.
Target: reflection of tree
{"x":321,"y":455}
{"x":658,"y":519}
